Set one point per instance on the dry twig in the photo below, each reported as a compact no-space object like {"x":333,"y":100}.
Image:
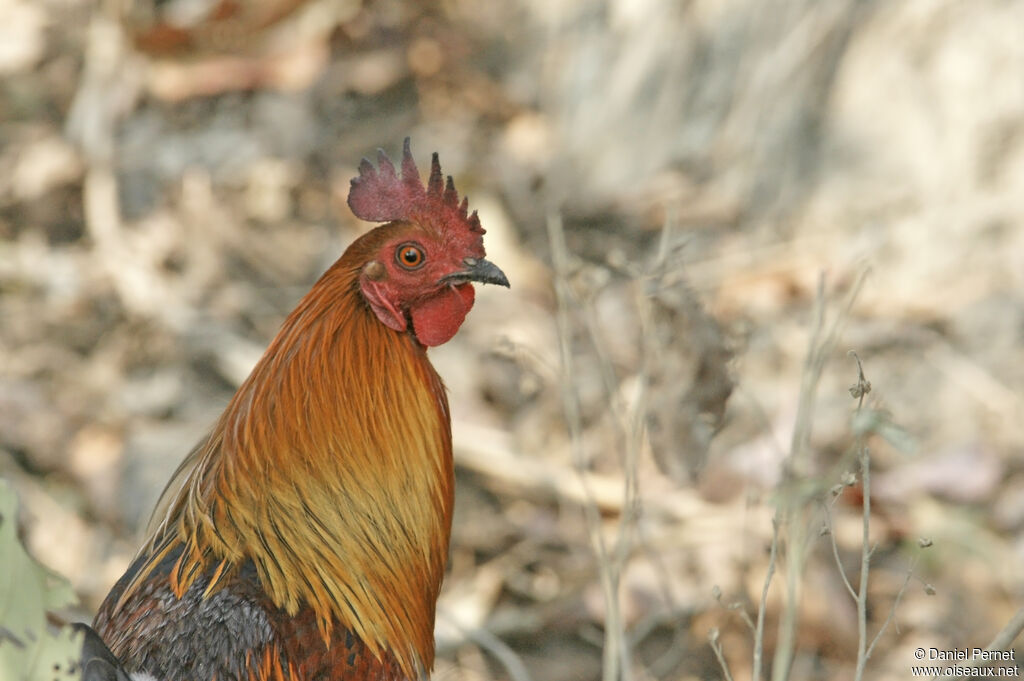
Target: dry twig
{"x":615,"y":654}
{"x":791,"y":513}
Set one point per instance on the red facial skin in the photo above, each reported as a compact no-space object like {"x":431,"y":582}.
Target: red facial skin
{"x":399,"y":292}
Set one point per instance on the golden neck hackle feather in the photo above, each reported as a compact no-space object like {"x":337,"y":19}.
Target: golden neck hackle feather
{"x":318,"y":471}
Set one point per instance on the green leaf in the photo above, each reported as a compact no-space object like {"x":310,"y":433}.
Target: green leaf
{"x":870,"y":421}
{"x":29,"y":650}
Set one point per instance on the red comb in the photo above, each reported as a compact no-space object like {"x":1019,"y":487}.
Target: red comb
{"x":382,"y":196}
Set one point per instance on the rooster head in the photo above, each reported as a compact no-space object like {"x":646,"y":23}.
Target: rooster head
{"x":422,"y":262}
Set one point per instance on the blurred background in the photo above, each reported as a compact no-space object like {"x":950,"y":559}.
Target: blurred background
{"x":678,"y":191}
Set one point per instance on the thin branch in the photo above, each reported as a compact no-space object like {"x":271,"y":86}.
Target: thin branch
{"x":835,"y":553}
{"x":892,"y":610}
{"x":1002,"y":641}
{"x":735,"y":606}
{"x":808,"y":388}
{"x":508,"y":658}
{"x":762,"y":607}
{"x":716,"y":647}
{"x":798,"y":468}
{"x":859,"y":390}
{"x":1005,"y":638}
{"x":613,"y":659}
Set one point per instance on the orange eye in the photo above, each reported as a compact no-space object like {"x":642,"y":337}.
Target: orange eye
{"x":410,"y":256}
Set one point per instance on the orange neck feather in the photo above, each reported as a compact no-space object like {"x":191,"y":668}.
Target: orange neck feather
{"x":331,"y":470}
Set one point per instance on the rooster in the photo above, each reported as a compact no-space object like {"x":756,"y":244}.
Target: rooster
{"x":306,"y":537}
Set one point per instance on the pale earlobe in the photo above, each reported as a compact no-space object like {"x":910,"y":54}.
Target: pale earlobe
{"x":374,"y":271}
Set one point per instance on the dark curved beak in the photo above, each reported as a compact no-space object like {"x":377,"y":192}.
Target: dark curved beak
{"x":477,"y":269}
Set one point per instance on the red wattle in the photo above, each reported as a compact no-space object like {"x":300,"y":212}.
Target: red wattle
{"x":436,"y":319}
